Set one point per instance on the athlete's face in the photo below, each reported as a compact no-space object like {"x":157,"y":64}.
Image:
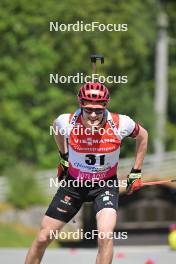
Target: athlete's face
{"x":93,"y":113}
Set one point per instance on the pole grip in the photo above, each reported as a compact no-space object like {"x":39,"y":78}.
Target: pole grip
{"x":96,"y":57}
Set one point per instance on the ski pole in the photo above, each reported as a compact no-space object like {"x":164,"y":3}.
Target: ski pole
{"x":157,"y":182}
{"x":94,"y":58}
{"x":138,"y":184}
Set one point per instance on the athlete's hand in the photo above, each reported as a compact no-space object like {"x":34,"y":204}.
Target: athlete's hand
{"x":133,"y":181}
{"x":63,"y":166}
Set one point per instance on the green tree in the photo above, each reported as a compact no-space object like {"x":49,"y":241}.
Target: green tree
{"x":30,"y":52}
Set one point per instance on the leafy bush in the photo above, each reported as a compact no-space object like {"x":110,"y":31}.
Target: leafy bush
{"x":23,"y":187}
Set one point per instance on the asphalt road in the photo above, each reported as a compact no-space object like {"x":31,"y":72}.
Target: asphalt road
{"x":122,"y":255}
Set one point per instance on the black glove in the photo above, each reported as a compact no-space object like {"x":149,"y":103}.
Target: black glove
{"x":62,"y":169}
{"x":133,"y":181}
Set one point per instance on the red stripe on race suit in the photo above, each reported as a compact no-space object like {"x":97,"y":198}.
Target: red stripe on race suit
{"x":135,"y":131}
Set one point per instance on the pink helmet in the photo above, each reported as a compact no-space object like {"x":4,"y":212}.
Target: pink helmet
{"x":95,"y":92}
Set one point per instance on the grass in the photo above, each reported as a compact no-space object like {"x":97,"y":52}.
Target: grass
{"x":17,"y":235}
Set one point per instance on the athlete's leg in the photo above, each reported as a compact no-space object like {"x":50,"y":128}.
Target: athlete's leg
{"x":106,"y":221}
{"x":106,"y":206}
{"x":64,"y":206}
{"x":43,"y":239}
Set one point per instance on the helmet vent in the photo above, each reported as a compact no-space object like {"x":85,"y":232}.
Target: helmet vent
{"x":94,"y":92}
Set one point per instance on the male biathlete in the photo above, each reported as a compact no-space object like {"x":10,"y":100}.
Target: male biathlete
{"x":91,"y":155}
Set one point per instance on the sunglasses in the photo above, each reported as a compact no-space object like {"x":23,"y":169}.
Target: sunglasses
{"x":97,"y":111}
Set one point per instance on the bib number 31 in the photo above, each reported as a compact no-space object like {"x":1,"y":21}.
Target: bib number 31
{"x":91,"y":159}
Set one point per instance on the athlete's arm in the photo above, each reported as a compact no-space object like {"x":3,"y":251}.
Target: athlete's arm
{"x":141,"y":147}
{"x":63,"y":153}
{"x":134,"y":178}
{"x":60,"y":140}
